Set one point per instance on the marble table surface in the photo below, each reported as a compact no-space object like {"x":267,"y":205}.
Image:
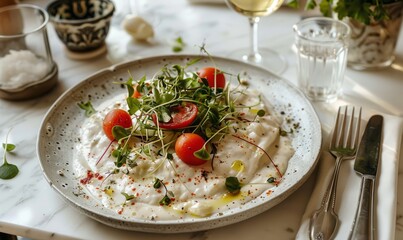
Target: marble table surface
{"x":30,"y":208}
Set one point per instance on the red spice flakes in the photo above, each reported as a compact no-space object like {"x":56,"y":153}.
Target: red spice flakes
{"x":99,"y":176}
{"x":91,"y":175}
{"x":120,"y":211}
{"x":88,"y":178}
{"x":269,"y":192}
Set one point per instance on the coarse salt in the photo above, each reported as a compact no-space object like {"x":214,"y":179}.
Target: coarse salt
{"x":19,"y":68}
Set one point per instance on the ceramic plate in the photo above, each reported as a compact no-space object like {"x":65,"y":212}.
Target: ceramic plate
{"x":58,"y":136}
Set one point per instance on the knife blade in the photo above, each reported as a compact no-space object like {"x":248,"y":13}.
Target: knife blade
{"x":366,"y":164}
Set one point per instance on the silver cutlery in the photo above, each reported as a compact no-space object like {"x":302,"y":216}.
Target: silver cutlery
{"x":366,"y":164}
{"x":343,"y":145}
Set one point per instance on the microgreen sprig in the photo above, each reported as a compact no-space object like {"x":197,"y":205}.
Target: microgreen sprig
{"x":8,"y":170}
{"x":166,"y":200}
{"x":87,"y":107}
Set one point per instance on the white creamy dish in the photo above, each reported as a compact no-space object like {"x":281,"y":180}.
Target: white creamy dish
{"x":154,"y":183}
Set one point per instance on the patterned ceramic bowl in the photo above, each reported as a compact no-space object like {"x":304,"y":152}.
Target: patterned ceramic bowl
{"x":82,"y":25}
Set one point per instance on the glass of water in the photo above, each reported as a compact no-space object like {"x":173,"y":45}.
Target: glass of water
{"x":322,"y":46}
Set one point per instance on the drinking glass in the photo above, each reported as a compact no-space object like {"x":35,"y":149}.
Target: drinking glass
{"x":254,"y":9}
{"x":322,"y":47}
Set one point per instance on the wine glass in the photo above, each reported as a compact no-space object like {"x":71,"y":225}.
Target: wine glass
{"x":254,"y":9}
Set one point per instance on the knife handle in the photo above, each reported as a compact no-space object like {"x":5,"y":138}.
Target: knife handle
{"x":363,"y":225}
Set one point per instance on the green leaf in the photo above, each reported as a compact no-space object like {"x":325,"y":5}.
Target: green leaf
{"x":8,"y":171}
{"x":293,"y":4}
{"x":121,"y":155}
{"x":311,"y":4}
{"x":8,"y":147}
{"x":129,"y":84}
{"x":178,"y":45}
{"x":261,"y":113}
{"x":89,"y":109}
{"x":170,"y":156}
{"x":271,"y":180}
{"x":202,"y":154}
{"x":120,"y":132}
{"x":115,"y":153}
{"x":326,"y":7}
{"x":157,"y":96}
{"x":214,"y":114}
{"x":133,"y":104}
{"x":166,"y":97}
{"x":233,"y":185}
{"x":165,"y":201}
{"x":157,"y":183}
{"x":127,"y":196}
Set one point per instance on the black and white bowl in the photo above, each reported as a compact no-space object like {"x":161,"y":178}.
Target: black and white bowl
{"x":82,"y":25}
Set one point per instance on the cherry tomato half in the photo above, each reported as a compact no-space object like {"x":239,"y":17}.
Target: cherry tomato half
{"x":186,"y":145}
{"x":136,"y":94}
{"x":209,"y":73}
{"x":116,"y":117}
{"x":182,"y":116}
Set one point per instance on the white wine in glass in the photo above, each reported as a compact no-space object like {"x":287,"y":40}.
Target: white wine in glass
{"x":254,"y":9}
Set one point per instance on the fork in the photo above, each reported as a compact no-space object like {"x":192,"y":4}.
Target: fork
{"x":343,"y":146}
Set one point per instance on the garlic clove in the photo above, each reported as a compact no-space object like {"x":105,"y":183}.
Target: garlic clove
{"x":137,"y":27}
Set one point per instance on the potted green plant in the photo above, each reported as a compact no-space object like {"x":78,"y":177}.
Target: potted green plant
{"x":375,"y":26}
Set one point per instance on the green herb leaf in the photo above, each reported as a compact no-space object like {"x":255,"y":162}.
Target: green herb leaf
{"x":121,"y":154}
{"x":8,"y":147}
{"x":202,"y":154}
{"x":170,"y":156}
{"x":293,"y":4}
{"x":157,"y":183}
{"x":8,"y":171}
{"x":233,"y":185}
{"x":261,"y":113}
{"x":178,"y":45}
{"x":326,"y":8}
{"x":89,"y":109}
{"x":133,"y":104}
{"x":311,"y":4}
{"x":120,"y":132}
{"x":127,"y":196}
{"x":271,"y":180}
{"x":165,"y":201}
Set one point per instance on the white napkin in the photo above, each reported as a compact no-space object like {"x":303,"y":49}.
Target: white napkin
{"x":348,"y":187}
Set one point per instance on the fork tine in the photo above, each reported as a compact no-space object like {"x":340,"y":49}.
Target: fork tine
{"x":349,"y":142}
{"x":342,"y":130}
{"x":357,"y":131}
{"x":336,"y":129}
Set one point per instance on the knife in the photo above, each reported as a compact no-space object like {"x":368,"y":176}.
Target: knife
{"x":366,"y":164}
